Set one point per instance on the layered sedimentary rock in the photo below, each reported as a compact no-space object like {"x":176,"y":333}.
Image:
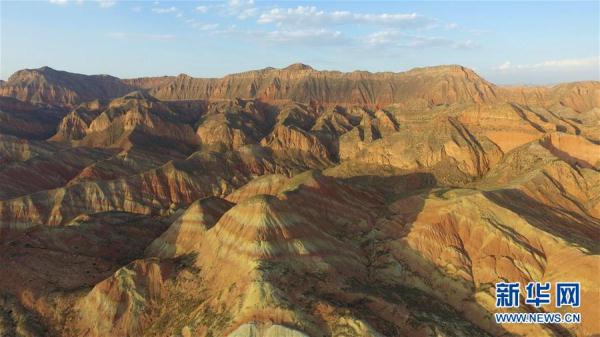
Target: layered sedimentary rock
{"x":185,"y":234}
{"x":519,"y":229}
{"x":579,"y":96}
{"x":292,"y":138}
{"x":46,"y":85}
{"x":453,"y":155}
{"x":16,"y":320}
{"x":17,"y":149}
{"x":60,"y":261}
{"x":232,"y":124}
{"x":135,"y":118}
{"x":123,"y":297}
{"x":269,"y":184}
{"x":298,"y":82}
{"x":75,"y":124}
{"x":31,"y":121}
{"x":46,"y":171}
{"x":292,"y":202}
{"x":151,"y":192}
{"x":416,"y":88}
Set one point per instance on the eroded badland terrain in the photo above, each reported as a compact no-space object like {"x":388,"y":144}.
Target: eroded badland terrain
{"x":292,"y":203}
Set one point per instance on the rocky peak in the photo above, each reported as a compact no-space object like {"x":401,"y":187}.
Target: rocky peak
{"x":183,"y":76}
{"x":298,"y":67}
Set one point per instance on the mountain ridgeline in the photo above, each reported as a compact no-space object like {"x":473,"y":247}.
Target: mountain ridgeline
{"x":416,"y":88}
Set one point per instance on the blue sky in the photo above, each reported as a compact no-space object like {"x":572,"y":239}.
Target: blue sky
{"x":506,"y":42}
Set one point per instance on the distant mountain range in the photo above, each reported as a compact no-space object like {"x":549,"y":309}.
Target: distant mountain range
{"x":419,"y":87}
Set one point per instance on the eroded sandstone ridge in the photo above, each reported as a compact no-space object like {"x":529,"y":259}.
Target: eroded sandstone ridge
{"x":292,"y":203}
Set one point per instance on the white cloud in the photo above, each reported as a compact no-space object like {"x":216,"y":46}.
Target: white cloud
{"x":107,"y":3}
{"x":202,"y":9}
{"x":316,"y":36}
{"x":133,"y":36}
{"x":504,"y":66}
{"x":210,"y":26}
{"x":381,"y":37}
{"x":101,"y":3}
{"x":247,"y":13}
{"x":242,"y":9}
{"x":468,"y":44}
{"x":205,"y":26}
{"x":240,"y":3}
{"x":310,"y":15}
{"x":562,"y":64}
{"x":160,"y":10}
{"x":433,"y":42}
{"x":295,"y":37}
{"x":136,"y":9}
{"x":305,"y":36}
{"x":399,"y":39}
